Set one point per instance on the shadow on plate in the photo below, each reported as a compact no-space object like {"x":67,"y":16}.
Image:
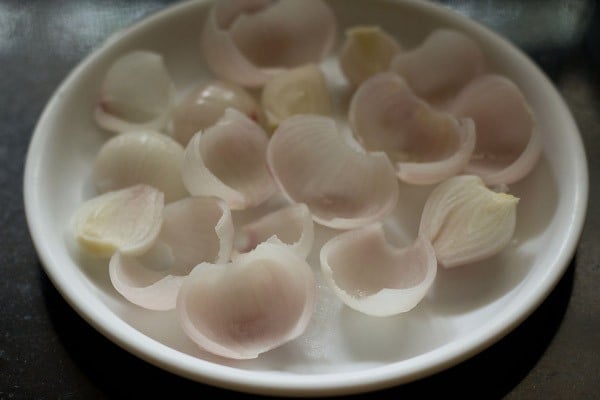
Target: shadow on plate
{"x":491,"y":374}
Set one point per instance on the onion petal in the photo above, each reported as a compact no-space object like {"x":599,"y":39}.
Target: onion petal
{"x":292,"y":225}
{"x":427,"y":146}
{"x":441,"y":65}
{"x":195,"y":230}
{"x":258,"y":302}
{"x":126,"y":220}
{"x":228,"y":161}
{"x":147,"y":157}
{"x":375,"y":278}
{"x":343,"y":187}
{"x":466,"y":221}
{"x":248,"y":41}
{"x":509,"y":143}
{"x":137,"y":93}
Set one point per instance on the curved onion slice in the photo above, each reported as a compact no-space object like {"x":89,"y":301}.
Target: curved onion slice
{"x":128,"y":220}
{"x":141,"y":157}
{"x":195,"y":230}
{"x":367,"y":51}
{"x":143,"y":286}
{"x":441,"y":65}
{"x":247,"y":41}
{"x":203,"y":107}
{"x":427,"y":146}
{"x":137,"y":93}
{"x":258,"y":302}
{"x":292,"y":225}
{"x":343,"y":187}
{"x":301,"y":90}
{"x":508,"y":141}
{"x":375,"y":278}
{"x":466,"y":221}
{"x":228,"y":161}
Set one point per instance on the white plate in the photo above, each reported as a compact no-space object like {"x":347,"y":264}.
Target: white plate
{"x":467,"y":310}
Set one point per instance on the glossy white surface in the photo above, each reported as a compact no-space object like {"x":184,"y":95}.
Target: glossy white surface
{"x":468,"y":308}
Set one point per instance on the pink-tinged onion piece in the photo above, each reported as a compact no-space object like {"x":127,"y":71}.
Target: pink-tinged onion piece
{"x":228,"y":161}
{"x":137,"y":157}
{"x":248,"y":41}
{"x":368,"y":50}
{"x":197,"y":229}
{"x":194,"y":230}
{"x":137,"y":93}
{"x":509,"y":144}
{"x":260,"y":301}
{"x":203,"y":107}
{"x":143,"y":286}
{"x":127,"y":220}
{"x":441,"y":65}
{"x":426,"y":145}
{"x":372,"y":276}
{"x":292,"y":225}
{"x":466,"y":221}
{"x":343,"y":187}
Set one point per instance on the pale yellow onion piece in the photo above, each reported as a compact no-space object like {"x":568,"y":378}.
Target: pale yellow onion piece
{"x":466,"y":221}
{"x":441,"y":65}
{"x":372,"y":276}
{"x":126,"y":220}
{"x":426,"y":145}
{"x":141,"y":157}
{"x":195,"y":230}
{"x":203,"y":107}
{"x":291,"y":225}
{"x":228,"y":161}
{"x":301,"y":90}
{"x":509,"y":143}
{"x":247,"y":41}
{"x":367,"y":51}
{"x":343,"y":187}
{"x":260,"y":301}
{"x":136,"y":93}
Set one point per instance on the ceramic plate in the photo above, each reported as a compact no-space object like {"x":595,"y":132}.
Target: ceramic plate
{"x":342,"y":351}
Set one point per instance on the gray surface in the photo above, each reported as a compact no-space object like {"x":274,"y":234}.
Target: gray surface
{"x":48,"y":351}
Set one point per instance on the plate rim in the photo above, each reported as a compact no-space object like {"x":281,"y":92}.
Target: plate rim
{"x":101,"y":318}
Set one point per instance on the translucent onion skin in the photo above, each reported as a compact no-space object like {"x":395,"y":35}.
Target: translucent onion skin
{"x":509,"y":142}
{"x":194,"y":230}
{"x":228,"y":161}
{"x":249,"y":41}
{"x":260,"y":301}
{"x":291,"y":225}
{"x":343,"y":187}
{"x":147,"y":157}
{"x":136,"y":94}
{"x":205,"y":105}
{"x":427,"y":145}
{"x":373,"y":277}
{"x":440,"y":66}
{"x":142,"y":286}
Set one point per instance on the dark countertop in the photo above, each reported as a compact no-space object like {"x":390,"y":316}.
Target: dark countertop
{"x":48,"y":351}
